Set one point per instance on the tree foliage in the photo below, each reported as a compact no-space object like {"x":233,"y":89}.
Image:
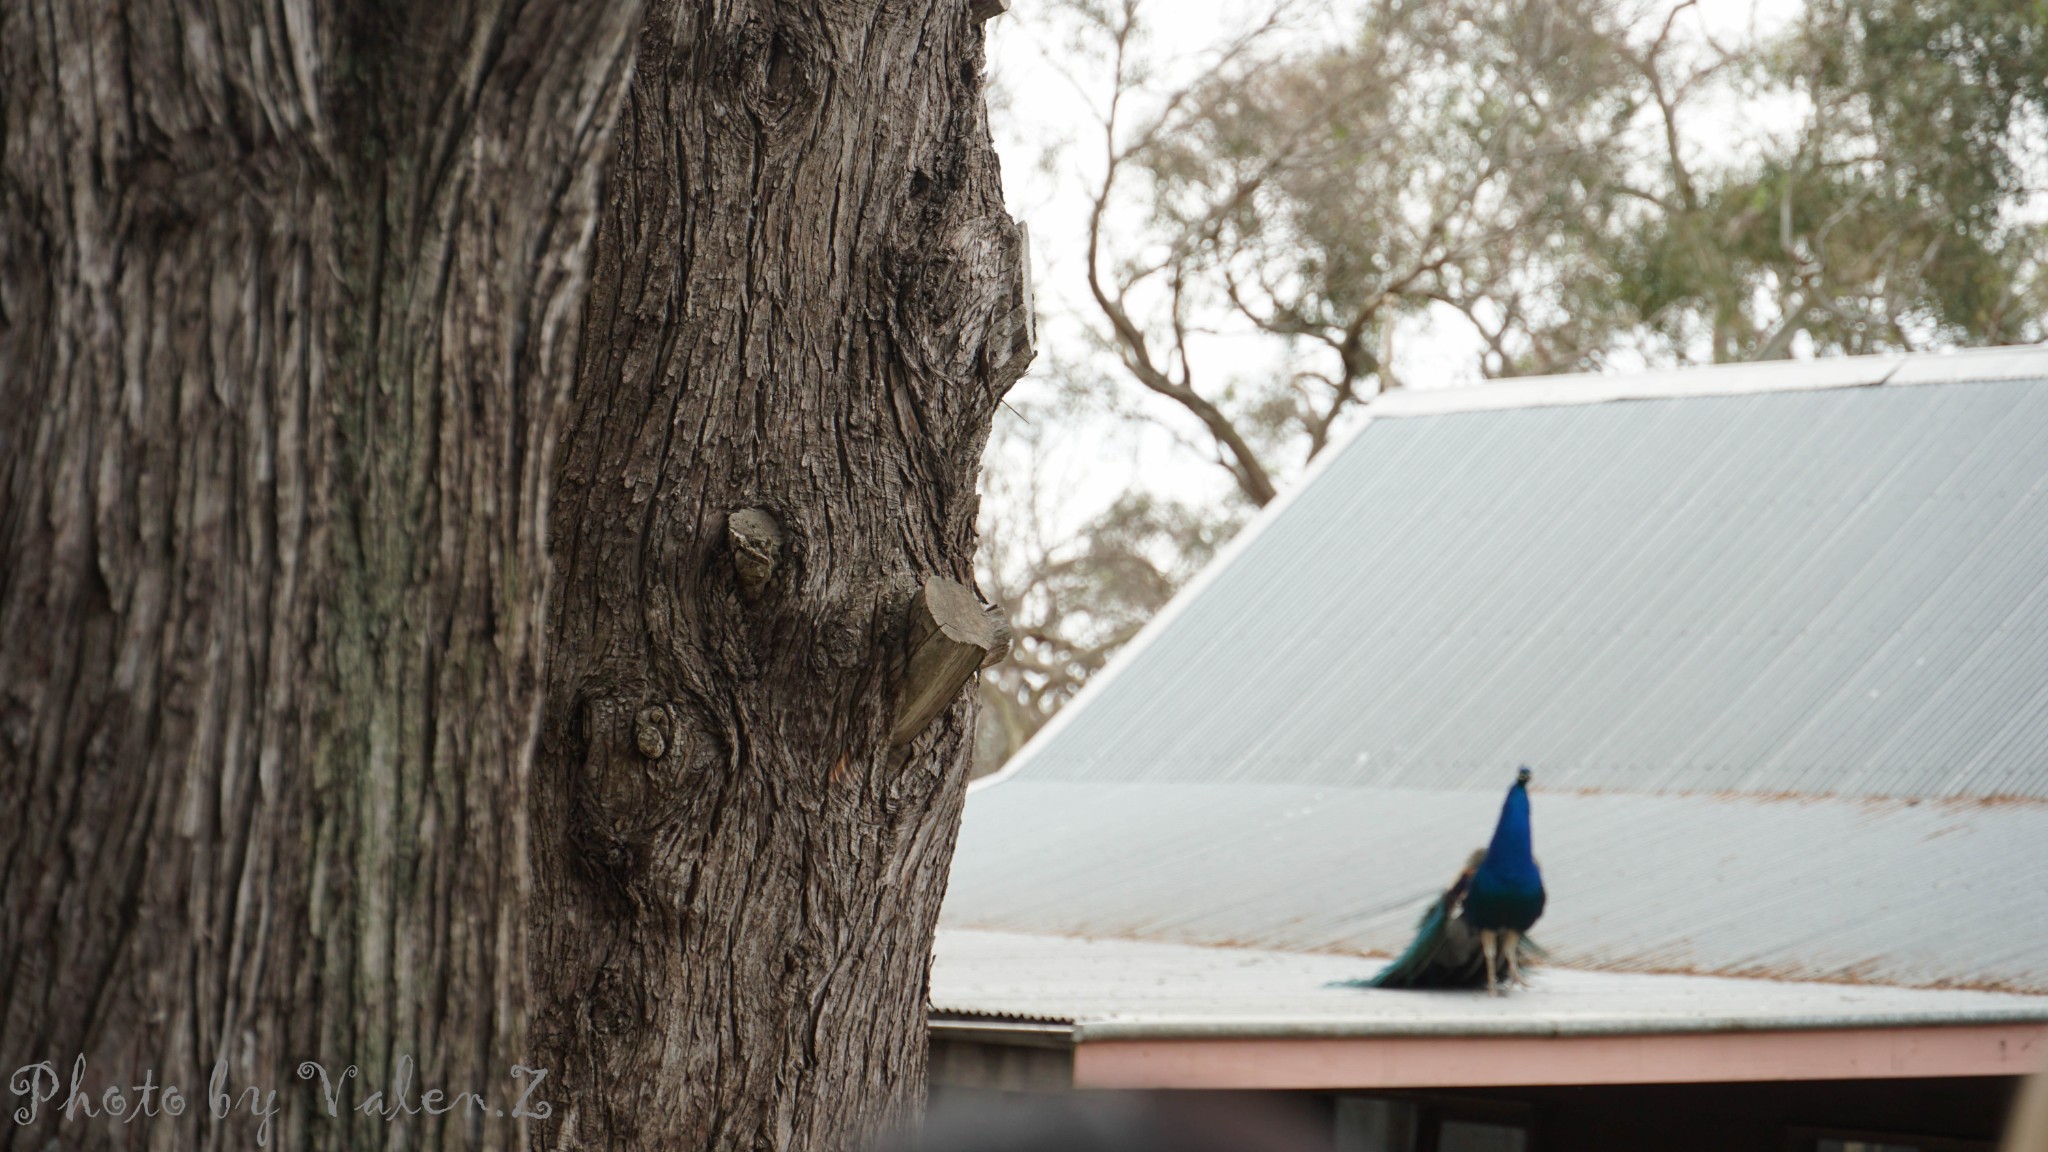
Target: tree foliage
{"x":1894,"y":213}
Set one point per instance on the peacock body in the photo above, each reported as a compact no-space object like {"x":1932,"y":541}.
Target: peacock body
{"x":1473,"y":934}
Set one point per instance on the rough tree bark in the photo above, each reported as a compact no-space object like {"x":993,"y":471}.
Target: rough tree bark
{"x":288,"y":297}
{"x":807,"y":301}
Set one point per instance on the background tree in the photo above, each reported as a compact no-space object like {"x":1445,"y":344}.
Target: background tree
{"x":288,"y":299}
{"x":1449,"y":152}
{"x":1072,"y":597}
{"x":808,"y":301}
{"x":1894,"y":215}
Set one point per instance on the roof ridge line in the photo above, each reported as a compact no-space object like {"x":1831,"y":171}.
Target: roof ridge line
{"x":1958,"y":366}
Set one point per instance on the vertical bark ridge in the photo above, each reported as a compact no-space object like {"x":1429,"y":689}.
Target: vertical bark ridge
{"x":807,"y":301}
{"x":288,"y":294}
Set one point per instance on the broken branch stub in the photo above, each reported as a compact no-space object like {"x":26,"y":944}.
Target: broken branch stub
{"x":951,"y":636}
{"x":986,"y":10}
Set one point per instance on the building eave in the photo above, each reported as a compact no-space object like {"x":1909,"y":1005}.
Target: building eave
{"x":1361,"y":1063}
{"x":1292,"y":1056}
{"x":1015,"y":1011}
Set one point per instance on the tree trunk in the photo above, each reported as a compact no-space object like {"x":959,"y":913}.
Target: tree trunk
{"x":806,"y":303}
{"x":288,"y":299}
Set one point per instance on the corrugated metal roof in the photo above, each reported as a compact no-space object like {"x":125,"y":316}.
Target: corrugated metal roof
{"x":1123,"y":990}
{"x":1720,"y":627}
{"x":1819,"y":592}
{"x":1928,"y":894}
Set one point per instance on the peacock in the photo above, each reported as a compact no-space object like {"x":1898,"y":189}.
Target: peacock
{"x":1474,"y":932}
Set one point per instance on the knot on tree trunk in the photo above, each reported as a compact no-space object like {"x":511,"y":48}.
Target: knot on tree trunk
{"x":967,"y":310}
{"x":1013,"y":331}
{"x":651,"y":733}
{"x":951,"y":636}
{"x":757,"y":544}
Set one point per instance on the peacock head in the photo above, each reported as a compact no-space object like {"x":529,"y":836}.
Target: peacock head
{"x":1522,"y":774}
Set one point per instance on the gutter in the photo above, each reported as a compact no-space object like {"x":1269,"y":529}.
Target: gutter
{"x":1282,"y":1028}
{"x":1059,"y":1034}
{"x":1068,"y":1034}
{"x":1357,"y":1055}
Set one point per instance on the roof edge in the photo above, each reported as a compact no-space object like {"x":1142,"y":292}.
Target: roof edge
{"x":1282,"y":1028}
{"x":1657,"y":384}
{"x":1450,"y":1062}
{"x":979,"y":1028}
{"x":988,"y":1028}
{"x":1975,"y":365}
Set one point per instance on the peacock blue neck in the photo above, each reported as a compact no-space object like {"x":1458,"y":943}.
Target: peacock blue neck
{"x":1510,"y":852}
{"x":1507,"y":890}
